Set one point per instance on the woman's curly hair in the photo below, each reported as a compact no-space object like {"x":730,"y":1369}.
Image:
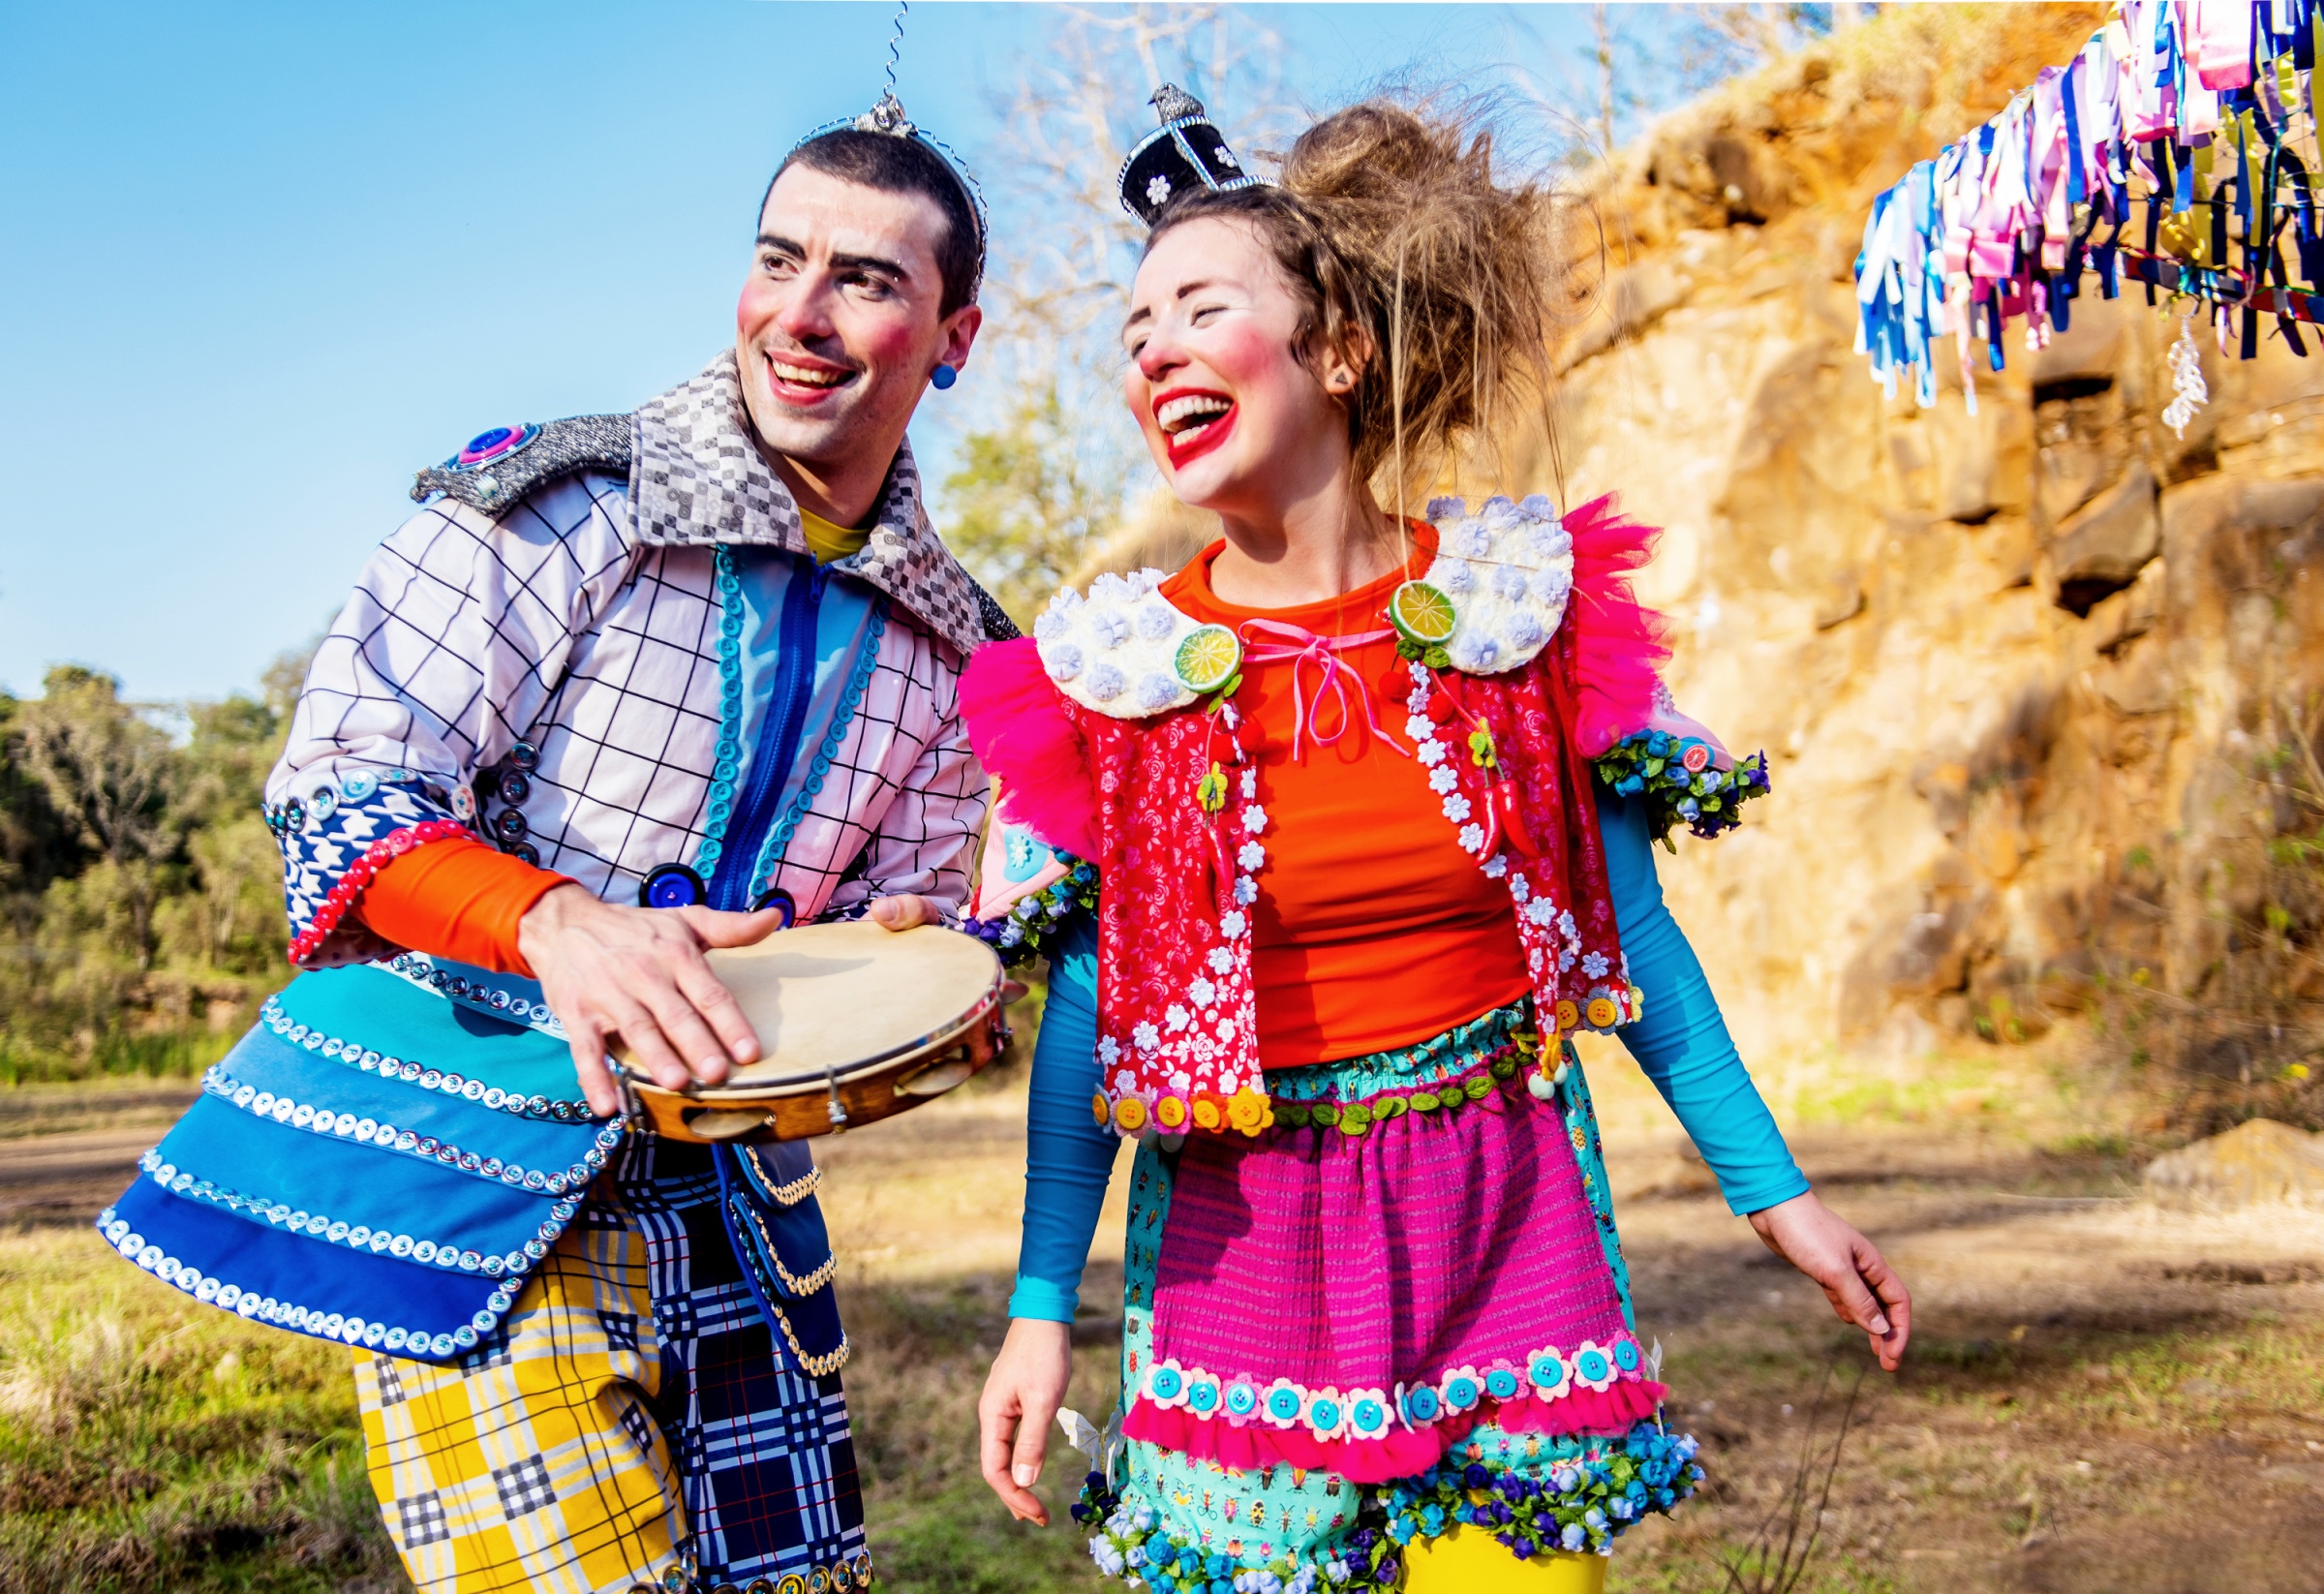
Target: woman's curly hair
{"x":1416,"y":266}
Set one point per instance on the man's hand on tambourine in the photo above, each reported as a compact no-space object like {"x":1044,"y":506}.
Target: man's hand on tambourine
{"x":637,"y":973}
{"x":1855,"y":1278}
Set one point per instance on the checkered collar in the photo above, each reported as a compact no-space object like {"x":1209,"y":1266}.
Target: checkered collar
{"x":699,"y":479}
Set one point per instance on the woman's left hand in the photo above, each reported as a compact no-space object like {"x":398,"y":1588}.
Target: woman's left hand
{"x":1857,"y":1281}
{"x":903,"y":912}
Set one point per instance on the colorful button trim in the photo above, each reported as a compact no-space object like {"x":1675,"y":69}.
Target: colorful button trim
{"x":369,"y":1062}
{"x":1328,"y":1413}
{"x":727,"y":763}
{"x":350,"y":1331}
{"x":387,"y":1137}
{"x":356,"y":1237}
{"x":472,"y":989}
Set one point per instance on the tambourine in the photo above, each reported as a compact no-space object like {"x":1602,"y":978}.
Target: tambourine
{"x":855,"y":1024}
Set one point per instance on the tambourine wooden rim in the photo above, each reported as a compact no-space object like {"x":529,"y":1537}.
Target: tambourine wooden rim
{"x":803,"y":1102}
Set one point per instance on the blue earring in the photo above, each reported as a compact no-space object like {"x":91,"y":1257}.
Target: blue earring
{"x":944,"y":376}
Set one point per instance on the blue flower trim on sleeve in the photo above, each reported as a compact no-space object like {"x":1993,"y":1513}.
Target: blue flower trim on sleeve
{"x":331,"y":833}
{"x":1679,"y":779}
{"x":1035,"y":921}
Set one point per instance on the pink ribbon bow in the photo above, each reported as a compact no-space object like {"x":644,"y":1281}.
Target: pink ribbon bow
{"x":1304,"y":649}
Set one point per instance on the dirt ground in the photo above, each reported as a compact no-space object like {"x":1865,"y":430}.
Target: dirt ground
{"x":2100,"y":1399}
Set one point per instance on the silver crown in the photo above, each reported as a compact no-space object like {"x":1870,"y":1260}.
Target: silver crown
{"x":887,"y":117}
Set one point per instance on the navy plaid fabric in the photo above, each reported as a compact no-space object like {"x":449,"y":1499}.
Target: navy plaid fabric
{"x":765,"y":1454}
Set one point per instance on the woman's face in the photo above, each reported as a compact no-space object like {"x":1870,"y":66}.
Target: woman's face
{"x":1232,"y":413}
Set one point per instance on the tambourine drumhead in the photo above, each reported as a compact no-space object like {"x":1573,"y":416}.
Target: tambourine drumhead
{"x":845,"y":996}
{"x":855,"y":1024}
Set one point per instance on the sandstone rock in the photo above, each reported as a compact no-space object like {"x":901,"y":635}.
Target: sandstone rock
{"x":2101,"y":548}
{"x":2254,"y":1163}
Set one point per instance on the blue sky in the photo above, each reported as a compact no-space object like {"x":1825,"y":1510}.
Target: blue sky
{"x":261,"y":262}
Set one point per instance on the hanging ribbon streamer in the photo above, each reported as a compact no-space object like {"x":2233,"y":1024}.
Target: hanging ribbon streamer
{"x":2203,"y":113}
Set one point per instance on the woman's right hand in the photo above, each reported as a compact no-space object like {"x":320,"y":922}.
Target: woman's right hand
{"x":1020,"y":1399}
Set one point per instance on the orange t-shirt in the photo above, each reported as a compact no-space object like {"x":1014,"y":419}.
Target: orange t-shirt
{"x":1372,"y":929}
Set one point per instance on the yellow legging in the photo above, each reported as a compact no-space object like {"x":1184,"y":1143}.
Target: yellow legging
{"x":1461,"y":1562}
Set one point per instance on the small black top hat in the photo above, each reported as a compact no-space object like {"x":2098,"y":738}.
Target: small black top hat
{"x":1186,"y":151}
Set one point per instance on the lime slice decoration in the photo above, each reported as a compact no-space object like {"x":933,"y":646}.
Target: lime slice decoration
{"x":1422,"y":613}
{"x":1206,"y":657}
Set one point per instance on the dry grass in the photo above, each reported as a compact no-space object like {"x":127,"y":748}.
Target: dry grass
{"x":149,"y":1443}
{"x":2099,"y":1400}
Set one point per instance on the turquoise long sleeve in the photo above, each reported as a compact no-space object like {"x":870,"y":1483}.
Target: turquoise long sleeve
{"x":1068,"y":1158}
{"x":1682,"y":1042}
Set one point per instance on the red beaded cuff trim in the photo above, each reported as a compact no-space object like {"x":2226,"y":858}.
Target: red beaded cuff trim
{"x":359,"y":876}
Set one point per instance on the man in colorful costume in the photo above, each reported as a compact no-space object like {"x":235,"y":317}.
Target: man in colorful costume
{"x":704,"y":659}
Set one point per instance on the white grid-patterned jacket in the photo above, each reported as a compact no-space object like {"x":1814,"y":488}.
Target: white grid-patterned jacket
{"x":583,"y":619}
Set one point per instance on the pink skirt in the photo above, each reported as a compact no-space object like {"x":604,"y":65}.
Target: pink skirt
{"x":1360,"y":1301}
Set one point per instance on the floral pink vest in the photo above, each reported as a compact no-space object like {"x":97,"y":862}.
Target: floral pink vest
{"x":1101,"y":751}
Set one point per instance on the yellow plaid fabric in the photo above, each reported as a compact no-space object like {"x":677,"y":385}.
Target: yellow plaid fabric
{"x":536,"y":1464}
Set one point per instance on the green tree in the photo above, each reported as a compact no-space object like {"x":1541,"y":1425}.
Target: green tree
{"x":1029,"y":500}
{"x":106,"y":771}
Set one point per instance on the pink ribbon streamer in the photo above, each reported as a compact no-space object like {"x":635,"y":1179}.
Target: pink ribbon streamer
{"x":1304,"y":648}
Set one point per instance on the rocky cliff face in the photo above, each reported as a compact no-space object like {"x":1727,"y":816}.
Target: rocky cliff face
{"x":2019,"y":670}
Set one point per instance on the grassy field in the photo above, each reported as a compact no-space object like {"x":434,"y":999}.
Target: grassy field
{"x":2099,"y":1399}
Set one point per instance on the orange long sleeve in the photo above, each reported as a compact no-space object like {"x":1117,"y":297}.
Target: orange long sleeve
{"x":457,"y":899}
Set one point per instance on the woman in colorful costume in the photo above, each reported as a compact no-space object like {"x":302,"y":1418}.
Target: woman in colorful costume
{"x":1365,"y":808}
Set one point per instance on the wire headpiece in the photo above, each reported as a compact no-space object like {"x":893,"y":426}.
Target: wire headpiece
{"x":888,"y":118}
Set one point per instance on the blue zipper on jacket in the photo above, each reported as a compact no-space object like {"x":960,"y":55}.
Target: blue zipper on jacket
{"x":778,"y":744}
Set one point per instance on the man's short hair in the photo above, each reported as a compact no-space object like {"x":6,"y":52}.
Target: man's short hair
{"x":900,"y":165}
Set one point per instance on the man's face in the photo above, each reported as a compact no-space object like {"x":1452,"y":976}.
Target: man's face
{"x":838,"y":328}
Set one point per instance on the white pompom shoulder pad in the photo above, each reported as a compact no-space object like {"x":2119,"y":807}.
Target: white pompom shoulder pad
{"x":1115,"y":650}
{"x":1508,"y":569}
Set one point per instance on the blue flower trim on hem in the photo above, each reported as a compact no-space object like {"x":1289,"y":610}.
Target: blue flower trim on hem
{"x":851,"y":698}
{"x":1679,"y":779}
{"x":1581,"y":1503}
{"x":1129,"y":1544}
{"x":1579,"y":1500}
{"x":1035,"y":922}
{"x":727,"y":765}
